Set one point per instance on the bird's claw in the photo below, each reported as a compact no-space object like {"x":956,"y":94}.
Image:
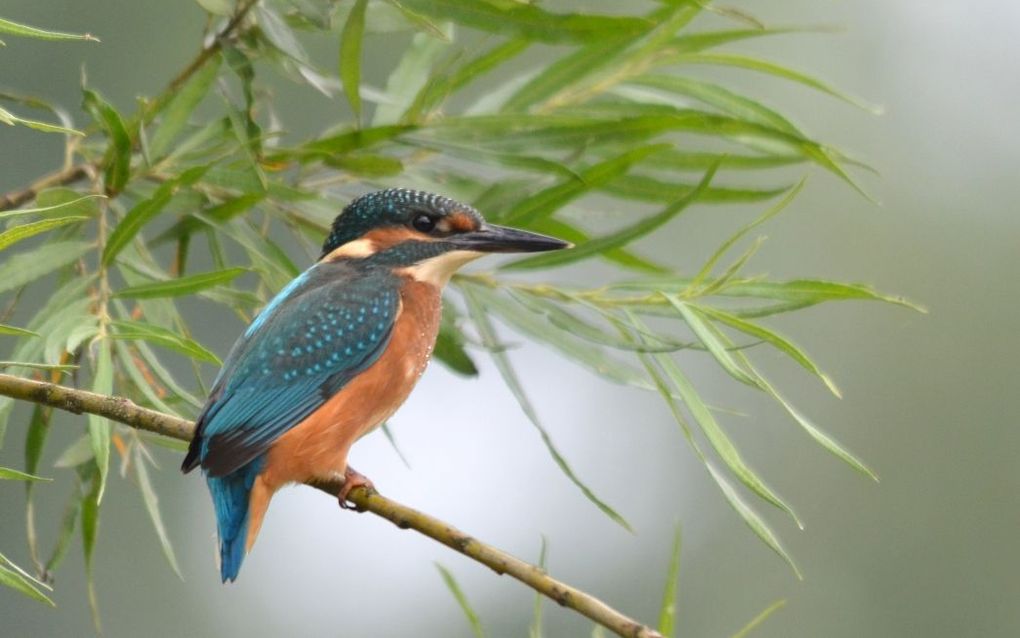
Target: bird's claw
{"x":353,"y":479}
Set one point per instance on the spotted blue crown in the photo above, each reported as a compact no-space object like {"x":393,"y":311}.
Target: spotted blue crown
{"x":390,"y":207}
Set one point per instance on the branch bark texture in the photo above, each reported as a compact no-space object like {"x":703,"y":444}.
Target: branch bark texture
{"x":125,"y":411}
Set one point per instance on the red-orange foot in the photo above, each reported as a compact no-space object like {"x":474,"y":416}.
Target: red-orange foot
{"x":353,"y":479}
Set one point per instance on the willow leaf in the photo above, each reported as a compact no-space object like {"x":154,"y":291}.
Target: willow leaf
{"x":137,"y":330}
{"x":118,"y":155}
{"x":548,"y":201}
{"x":776,"y":70}
{"x":746,"y":630}
{"x":183,"y":103}
{"x":19,"y":580}
{"x":23,"y":30}
{"x":100,"y":427}
{"x":488,"y":334}
{"x":462,"y":601}
{"x":188,"y":285}
{"x":528,"y":20}
{"x":350,"y":56}
{"x":771,"y":337}
{"x":720,"y":441}
{"x":7,"y":474}
{"x":143,"y":212}
{"x":151,"y":501}
{"x":752,"y":519}
{"x":24,"y":231}
{"x":618,"y":239}
{"x":667,"y":614}
{"x":6,"y":117}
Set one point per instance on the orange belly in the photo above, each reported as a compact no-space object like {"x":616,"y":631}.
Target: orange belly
{"x":318,"y":446}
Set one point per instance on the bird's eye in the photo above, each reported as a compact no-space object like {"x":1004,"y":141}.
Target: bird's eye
{"x":424,"y":223}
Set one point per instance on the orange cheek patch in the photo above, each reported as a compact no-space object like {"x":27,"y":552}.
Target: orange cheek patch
{"x":383,"y":238}
{"x":462,"y":222}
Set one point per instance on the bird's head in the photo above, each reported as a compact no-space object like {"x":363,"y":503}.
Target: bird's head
{"x":428,"y":235}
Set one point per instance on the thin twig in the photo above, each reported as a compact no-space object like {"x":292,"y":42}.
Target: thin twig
{"x":63,"y":177}
{"x":124,"y":411}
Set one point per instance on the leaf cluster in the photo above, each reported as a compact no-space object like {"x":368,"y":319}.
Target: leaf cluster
{"x":544,"y":120}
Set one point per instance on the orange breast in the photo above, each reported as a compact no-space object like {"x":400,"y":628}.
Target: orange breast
{"x":317,"y":447}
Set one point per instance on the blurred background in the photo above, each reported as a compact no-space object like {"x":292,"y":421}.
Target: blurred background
{"x":929,"y":400}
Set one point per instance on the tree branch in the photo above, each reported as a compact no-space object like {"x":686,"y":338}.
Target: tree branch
{"x":125,"y":411}
{"x":63,"y":177}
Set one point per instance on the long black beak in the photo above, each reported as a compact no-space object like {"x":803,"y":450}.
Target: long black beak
{"x":501,"y":239}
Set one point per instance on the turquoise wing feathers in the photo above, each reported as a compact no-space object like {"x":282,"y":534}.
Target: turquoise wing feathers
{"x":325,"y":327}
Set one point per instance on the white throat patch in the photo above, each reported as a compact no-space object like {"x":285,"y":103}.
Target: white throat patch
{"x":438,"y":270}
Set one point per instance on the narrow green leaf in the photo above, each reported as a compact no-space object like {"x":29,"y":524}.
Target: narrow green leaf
{"x":144,"y":211}
{"x":7,"y":26}
{"x":414,"y":72}
{"x":751,"y":518}
{"x":548,"y":201}
{"x":465,"y":606}
{"x":806,"y":292}
{"x":100,"y":427}
{"x":392,"y":440}
{"x":737,"y":236}
{"x":618,"y":239}
{"x":776,"y":70}
{"x":348,"y":141}
{"x":66,"y":530}
{"x":564,"y":71}
{"x":746,"y":630}
{"x":118,"y":156}
{"x":6,"y":117}
{"x":528,"y":20}
{"x":35,"y":441}
{"x":89,"y":535}
{"x":699,"y":160}
{"x":350,"y":56}
{"x":220,"y":213}
{"x":623,"y":257}
{"x":152,"y":507}
{"x":137,"y":330}
{"x":718,"y":97}
{"x":537,"y":328}
{"x":180,"y":107}
{"x":19,"y":580}
{"x":14,"y":475}
{"x":188,"y":285}
{"x":77,"y":453}
{"x":17,"y":332}
{"x":651,"y":189}
{"x":720,"y":441}
{"x":488,"y":335}
{"x":823,"y":439}
{"x":769,"y":336}
{"x":667,"y":615}
{"x":24,"y":231}
{"x":366,"y":164}
{"x":703,"y":331}
{"x":441,"y":87}
{"x":72,"y":204}
{"x":571,"y":323}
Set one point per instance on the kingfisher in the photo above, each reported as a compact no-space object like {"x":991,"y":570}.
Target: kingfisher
{"x":334,"y":354}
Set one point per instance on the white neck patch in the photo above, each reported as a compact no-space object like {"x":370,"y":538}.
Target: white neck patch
{"x":438,"y":270}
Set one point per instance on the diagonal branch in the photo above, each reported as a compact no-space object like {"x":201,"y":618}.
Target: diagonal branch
{"x":124,"y":411}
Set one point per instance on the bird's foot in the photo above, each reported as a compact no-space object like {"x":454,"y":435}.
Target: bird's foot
{"x":353,"y":479}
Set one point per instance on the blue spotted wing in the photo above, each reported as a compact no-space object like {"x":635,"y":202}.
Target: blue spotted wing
{"x":325,"y":327}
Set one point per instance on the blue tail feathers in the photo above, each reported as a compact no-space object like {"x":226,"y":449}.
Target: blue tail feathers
{"x":230,"y":500}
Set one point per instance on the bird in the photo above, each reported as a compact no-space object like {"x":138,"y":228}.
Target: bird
{"x":334,"y":354}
